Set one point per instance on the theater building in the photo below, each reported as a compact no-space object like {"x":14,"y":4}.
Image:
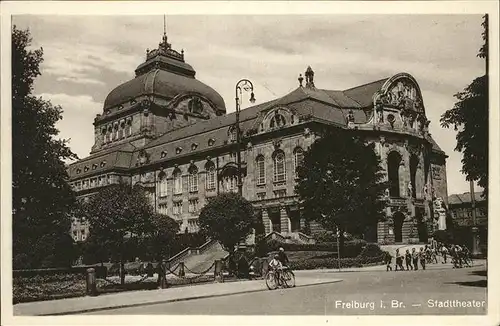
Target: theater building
{"x":170,"y":133}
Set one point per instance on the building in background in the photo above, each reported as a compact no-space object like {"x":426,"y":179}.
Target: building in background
{"x":170,"y":133}
{"x":460,"y":209}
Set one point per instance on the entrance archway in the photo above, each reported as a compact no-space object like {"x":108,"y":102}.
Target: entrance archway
{"x":393,"y":163}
{"x":274,"y":216}
{"x":398,"y":226}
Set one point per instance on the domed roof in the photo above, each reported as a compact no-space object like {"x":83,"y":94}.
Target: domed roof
{"x":165,"y":74}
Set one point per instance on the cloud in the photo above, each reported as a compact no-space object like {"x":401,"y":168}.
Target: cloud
{"x":78,"y":115}
{"x":80,"y":80}
{"x":85,"y":63}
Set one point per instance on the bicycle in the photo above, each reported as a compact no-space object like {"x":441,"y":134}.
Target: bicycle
{"x":285,"y":279}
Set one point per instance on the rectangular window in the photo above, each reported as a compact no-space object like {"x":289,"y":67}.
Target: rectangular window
{"x":193,"y":182}
{"x":211,"y":179}
{"x":177,"y":208}
{"x":279,"y":167}
{"x":280,"y":193}
{"x":177,"y":184}
{"x":162,"y":209}
{"x":261,"y":195}
{"x":193,"y":205}
{"x":261,"y":170}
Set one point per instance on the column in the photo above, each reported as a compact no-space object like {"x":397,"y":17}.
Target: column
{"x":268,"y":226}
{"x":285,"y":221}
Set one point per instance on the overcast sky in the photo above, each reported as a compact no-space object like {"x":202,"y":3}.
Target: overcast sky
{"x":86,"y":57}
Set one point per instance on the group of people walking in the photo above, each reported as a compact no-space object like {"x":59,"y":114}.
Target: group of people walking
{"x":458,"y":255}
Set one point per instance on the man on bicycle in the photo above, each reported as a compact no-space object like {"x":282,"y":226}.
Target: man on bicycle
{"x":276,"y":265}
{"x":282,"y":257}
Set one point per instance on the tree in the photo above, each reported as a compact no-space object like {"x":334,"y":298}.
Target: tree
{"x":228,"y":218}
{"x":469,"y":116}
{"x":158,"y":242}
{"x":121,"y":216}
{"x":42,"y":198}
{"x":340,"y":184}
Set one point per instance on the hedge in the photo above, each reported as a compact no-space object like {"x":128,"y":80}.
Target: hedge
{"x":51,"y":287}
{"x":371,"y":254}
{"x":318,"y":263}
{"x":351,"y":248}
{"x":35,"y":288}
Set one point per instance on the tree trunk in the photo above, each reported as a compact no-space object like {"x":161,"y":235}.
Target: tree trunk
{"x":122,"y":265}
{"x":122,"y":272}
{"x":341,"y":243}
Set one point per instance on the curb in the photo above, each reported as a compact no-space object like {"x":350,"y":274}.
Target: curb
{"x":174,"y":300}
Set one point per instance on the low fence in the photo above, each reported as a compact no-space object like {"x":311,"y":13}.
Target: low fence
{"x":49,"y":284}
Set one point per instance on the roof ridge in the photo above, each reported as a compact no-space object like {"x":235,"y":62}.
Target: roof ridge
{"x":220,"y":118}
{"x":372,"y":82}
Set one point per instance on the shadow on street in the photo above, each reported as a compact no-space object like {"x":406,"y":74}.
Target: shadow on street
{"x":479,"y":283}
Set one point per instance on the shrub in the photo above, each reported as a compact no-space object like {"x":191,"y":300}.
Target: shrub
{"x":325,"y":236}
{"x":351,"y":248}
{"x":371,"y":250}
{"x":318,"y":263}
{"x":47,"y":287}
{"x":370,"y":254}
{"x":324,"y":263}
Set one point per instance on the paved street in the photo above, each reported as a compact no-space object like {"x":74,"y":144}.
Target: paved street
{"x":361,"y":292}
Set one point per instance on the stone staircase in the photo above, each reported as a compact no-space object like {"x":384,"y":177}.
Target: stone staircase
{"x":199,"y":259}
{"x":294,"y":237}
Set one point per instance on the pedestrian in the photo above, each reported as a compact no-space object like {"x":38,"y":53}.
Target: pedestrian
{"x":444,"y":253}
{"x":422,"y":258}
{"x":458,"y":252}
{"x":467,"y":256}
{"x":408,"y":260}
{"x":428,"y":254}
{"x":162,"y":274}
{"x":399,"y":261}
{"x":388,"y":261}
{"x":434,"y":256}
{"x":414,"y":256}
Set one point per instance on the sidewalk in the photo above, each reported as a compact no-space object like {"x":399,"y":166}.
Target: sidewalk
{"x":376,"y":268}
{"x":138,"y":298}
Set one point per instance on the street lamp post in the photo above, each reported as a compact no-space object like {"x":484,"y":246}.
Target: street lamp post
{"x":475,"y":236}
{"x":247,"y":86}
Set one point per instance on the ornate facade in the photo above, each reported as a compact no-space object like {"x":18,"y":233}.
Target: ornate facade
{"x":169,"y":132}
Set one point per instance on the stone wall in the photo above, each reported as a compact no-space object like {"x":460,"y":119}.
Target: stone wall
{"x":438,"y":172}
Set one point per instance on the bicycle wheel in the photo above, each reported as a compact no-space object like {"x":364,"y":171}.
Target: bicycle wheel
{"x":289,"y":278}
{"x":271,"y":282}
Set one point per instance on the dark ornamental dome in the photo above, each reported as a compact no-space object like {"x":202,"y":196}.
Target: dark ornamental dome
{"x":164,"y":74}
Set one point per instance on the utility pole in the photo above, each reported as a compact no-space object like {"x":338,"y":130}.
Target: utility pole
{"x":475,"y":236}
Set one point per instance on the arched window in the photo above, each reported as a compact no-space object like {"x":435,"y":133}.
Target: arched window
{"x":279,"y":167}
{"x":260,"y":167}
{"x":228,"y":180}
{"x":193,"y":179}
{"x":210,"y":179}
{"x":230,"y":183}
{"x":393,"y":162}
{"x":232,"y":134}
{"x":162,"y":185}
{"x":115,"y":131}
{"x":298,"y":159}
{"x":177,"y":182}
{"x":109,"y":134}
{"x":413,"y":174}
{"x":277,"y":121}
{"x":128,"y":128}
{"x":121,"y":130}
